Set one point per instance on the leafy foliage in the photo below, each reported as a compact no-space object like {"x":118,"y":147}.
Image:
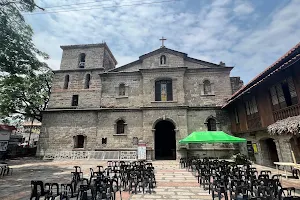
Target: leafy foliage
{"x":25,"y":81}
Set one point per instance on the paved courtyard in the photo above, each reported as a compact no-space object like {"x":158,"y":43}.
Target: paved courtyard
{"x":172,"y":182}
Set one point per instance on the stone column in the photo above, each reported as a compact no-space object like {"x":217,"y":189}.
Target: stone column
{"x":259,"y":156}
{"x":279,"y":152}
{"x":285,"y":150}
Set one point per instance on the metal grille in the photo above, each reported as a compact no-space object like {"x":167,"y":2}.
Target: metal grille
{"x":91,"y":155}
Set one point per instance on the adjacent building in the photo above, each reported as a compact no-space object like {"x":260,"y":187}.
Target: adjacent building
{"x":5,"y":135}
{"x":266,"y":111}
{"x":30,"y":131}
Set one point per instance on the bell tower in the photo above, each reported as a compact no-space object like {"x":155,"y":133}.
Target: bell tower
{"x":88,"y":56}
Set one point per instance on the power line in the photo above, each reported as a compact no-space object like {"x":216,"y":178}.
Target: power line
{"x":74,"y":6}
{"x":94,"y":8}
{"x":89,"y":2}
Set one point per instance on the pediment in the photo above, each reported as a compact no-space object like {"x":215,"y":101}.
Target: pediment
{"x":163,"y":50}
{"x":174,"y":58}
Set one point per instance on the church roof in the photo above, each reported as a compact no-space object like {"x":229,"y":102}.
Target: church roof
{"x":170,"y":51}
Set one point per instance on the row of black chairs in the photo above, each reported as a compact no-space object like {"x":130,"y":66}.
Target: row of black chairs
{"x":103,"y":183}
{"x":232,"y":181}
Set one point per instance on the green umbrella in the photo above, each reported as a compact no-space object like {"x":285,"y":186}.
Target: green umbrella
{"x":211,"y":137}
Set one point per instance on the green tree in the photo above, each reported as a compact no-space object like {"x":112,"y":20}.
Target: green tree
{"x":25,"y":81}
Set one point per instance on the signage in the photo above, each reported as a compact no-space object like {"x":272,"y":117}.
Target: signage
{"x":4,"y":135}
{"x":254,"y":145}
{"x":142,"y":151}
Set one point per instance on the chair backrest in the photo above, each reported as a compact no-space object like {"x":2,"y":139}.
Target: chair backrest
{"x":286,"y":192}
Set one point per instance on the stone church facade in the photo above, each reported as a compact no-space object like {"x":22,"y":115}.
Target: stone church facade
{"x":159,"y":99}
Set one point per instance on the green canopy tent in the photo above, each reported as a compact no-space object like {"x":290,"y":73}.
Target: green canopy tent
{"x":211,"y":137}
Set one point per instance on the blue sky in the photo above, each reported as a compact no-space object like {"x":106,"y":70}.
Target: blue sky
{"x":247,"y":34}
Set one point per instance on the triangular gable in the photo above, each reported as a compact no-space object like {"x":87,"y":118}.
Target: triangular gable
{"x":169,"y":51}
{"x":163,"y":50}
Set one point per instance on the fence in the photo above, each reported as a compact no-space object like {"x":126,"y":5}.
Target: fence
{"x":91,"y":155}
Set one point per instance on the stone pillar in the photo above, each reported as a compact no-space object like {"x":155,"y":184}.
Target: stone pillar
{"x":243,"y":148}
{"x":285,"y":150}
{"x":177,"y":138}
{"x":258,"y":155}
{"x":279,"y":153}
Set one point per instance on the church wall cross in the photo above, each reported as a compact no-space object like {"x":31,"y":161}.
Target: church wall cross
{"x":162,"y":41}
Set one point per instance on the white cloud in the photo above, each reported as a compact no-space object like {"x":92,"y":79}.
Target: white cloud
{"x":243,"y":8}
{"x":217,"y":31}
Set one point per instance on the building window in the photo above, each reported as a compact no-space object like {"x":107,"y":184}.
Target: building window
{"x":163,"y":90}
{"x":122,"y":89}
{"x":135,"y":141}
{"x":211,"y":124}
{"x":66,"y":83}
{"x":121,"y":127}
{"x":236,"y":116}
{"x":75,"y":100}
{"x":79,"y":141}
{"x":283,"y":94}
{"x":104,"y":140}
{"x":87,"y":81}
{"x":206,"y":87}
{"x":82,"y":60}
{"x":251,"y":106}
{"x":163,"y":59}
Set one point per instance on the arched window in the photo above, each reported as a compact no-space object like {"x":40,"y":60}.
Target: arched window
{"x":211,"y":124}
{"x":207,"y":87}
{"x":66,"y":83}
{"x":163,"y":59}
{"x":163,"y":90}
{"x":79,"y":141}
{"x":122,"y":90}
{"x":82,"y":60}
{"x":87,"y":81}
{"x":121,"y":127}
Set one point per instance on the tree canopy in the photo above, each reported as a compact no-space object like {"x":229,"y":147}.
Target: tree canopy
{"x":25,"y":81}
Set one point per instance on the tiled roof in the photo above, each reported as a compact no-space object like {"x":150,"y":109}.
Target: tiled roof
{"x":7,"y":127}
{"x":282,"y":62}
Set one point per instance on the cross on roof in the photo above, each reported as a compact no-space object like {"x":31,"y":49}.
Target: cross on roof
{"x":162,"y":41}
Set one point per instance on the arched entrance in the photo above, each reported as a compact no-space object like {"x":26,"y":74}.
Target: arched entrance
{"x":269,"y":152}
{"x":165,"y":141}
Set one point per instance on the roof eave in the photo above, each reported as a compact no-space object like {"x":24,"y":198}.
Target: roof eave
{"x":277,"y":64}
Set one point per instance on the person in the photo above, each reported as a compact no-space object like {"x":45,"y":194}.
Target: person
{"x":295,"y":172}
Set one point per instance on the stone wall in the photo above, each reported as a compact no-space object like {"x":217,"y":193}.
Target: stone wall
{"x":104,"y":88}
{"x":101,"y":106}
{"x":110,"y":90}
{"x":60,"y":127}
{"x":108,"y":62}
{"x":236,"y":84}
{"x":263,"y":156}
{"x":194,"y":90}
{"x":171,"y":61}
{"x":189,"y":64}
{"x":87,"y":97}
{"x":94,"y":58}
{"x":148,"y":86}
